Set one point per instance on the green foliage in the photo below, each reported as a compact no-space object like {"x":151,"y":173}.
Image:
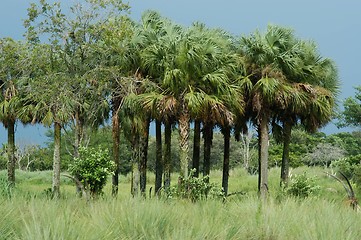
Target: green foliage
{"x":194,"y":188}
{"x":302,"y":186}
{"x":5,"y":188}
{"x":92,"y":168}
{"x":351,"y":116}
{"x":349,"y":166}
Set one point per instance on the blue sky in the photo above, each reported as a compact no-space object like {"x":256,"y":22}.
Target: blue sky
{"x":334,"y":25}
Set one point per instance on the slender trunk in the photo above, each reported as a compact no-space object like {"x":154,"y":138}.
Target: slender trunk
{"x":144,"y":157}
{"x":167,"y":153}
{"x":227,"y":136}
{"x":196,"y":147}
{"x":135,"y":166}
{"x":116,"y":141}
{"x":246,"y":140}
{"x":11,"y":152}
{"x":158,"y":156}
{"x":56,"y":160}
{"x":78,"y":142}
{"x":259,"y":158}
{"x":263,"y":158}
{"x":183,"y":143}
{"x":287,"y":128}
{"x":78,"y":135}
{"x":208,"y":131}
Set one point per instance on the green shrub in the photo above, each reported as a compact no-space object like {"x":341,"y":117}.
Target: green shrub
{"x":195,"y":188}
{"x":349,"y":166}
{"x":302,"y":186}
{"x":92,"y":168}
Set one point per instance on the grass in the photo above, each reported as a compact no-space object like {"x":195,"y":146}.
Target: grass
{"x":29,"y":214}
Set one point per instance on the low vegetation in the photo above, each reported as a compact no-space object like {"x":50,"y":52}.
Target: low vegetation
{"x":27,"y":213}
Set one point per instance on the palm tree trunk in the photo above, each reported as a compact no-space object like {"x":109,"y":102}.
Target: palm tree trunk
{"x":116,"y":142}
{"x":259,"y":158}
{"x":183,"y":142}
{"x":11,"y":152}
{"x":196,"y":147}
{"x":167,"y":153}
{"x":135,"y":166}
{"x":227,"y":136}
{"x":263,"y":157}
{"x":56,"y":160}
{"x":158,"y":156}
{"x":287,"y":128}
{"x":208,"y":130}
{"x":144,"y":157}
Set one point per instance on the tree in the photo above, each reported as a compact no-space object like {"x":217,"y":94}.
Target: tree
{"x":162,"y":39}
{"x":315,"y":87}
{"x":76,"y":37}
{"x":268,"y":91}
{"x":51,"y":102}
{"x":351,"y":115}
{"x":13,"y":69}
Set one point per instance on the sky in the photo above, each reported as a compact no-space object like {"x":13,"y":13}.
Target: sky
{"x":334,"y":25}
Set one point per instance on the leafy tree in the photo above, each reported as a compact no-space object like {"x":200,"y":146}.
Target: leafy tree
{"x":350,"y":142}
{"x":75,"y":37}
{"x":323,"y":154}
{"x":351,"y":115}
{"x":52,"y":104}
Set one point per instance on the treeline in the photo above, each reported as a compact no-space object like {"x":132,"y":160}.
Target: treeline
{"x":79,"y":66}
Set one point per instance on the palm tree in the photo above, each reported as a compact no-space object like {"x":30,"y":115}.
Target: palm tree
{"x":13,"y":67}
{"x":270,"y":92}
{"x":119,"y":63}
{"x":299,"y":67}
{"x":162,"y":37}
{"x":204,"y":61}
{"x":312,"y":78}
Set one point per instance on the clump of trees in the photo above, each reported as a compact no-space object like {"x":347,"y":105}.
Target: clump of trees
{"x":81,"y":66}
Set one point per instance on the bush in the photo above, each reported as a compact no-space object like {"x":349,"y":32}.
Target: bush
{"x":92,"y":169}
{"x":349,"y":166}
{"x":302,"y":186}
{"x":195,"y":189}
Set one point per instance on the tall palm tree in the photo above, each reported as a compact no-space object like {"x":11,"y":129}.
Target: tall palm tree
{"x":312,"y":78}
{"x":204,"y":61}
{"x":270,"y":92}
{"x":162,"y":37}
{"x":13,"y":67}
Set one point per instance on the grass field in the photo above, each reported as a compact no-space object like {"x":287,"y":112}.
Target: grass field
{"x":30,"y":214}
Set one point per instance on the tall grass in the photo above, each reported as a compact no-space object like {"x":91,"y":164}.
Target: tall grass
{"x":34,"y":216}
{"x":156,"y":219}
